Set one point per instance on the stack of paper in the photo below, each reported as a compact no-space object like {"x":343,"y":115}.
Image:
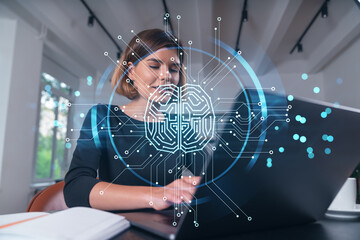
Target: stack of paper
{"x":72,"y":223}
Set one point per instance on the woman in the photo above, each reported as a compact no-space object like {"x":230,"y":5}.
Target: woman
{"x":97,"y":177}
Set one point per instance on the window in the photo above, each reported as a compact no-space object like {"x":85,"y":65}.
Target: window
{"x":51,"y":158}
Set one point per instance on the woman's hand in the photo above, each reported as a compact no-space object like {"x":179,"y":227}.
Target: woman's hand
{"x":180,"y":190}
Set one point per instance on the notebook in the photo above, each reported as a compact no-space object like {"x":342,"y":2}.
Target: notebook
{"x":72,"y":223}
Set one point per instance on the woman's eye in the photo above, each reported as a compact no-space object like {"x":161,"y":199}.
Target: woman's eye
{"x":174,"y":70}
{"x":154,"y":67}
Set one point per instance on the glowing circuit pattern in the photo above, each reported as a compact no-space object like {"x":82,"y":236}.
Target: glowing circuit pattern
{"x":179,"y":118}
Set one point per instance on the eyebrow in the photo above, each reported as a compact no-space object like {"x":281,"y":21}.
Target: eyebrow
{"x":155,"y":60}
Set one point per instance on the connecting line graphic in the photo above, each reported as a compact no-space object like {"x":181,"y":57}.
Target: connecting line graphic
{"x":248,"y":217}
{"x":222,"y":201}
{"x":186,"y":125}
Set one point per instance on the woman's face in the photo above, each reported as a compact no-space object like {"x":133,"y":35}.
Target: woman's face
{"x":159,"y":68}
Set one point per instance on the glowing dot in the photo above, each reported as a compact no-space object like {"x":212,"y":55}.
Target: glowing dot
{"x":327,"y":151}
{"x":323,"y":114}
{"x":324,"y":137}
{"x":296,"y":137}
{"x":290,"y":98}
{"x":336,"y":104}
{"x":328,"y":110}
{"x":48,"y":88}
{"x":89,"y":78}
{"x":297,"y":118}
{"x":269,"y":163}
{"x":77,"y":93}
{"x":303,"y":120}
{"x":304,"y":76}
{"x":311,"y":155}
{"x":316,"y":89}
{"x":281,"y":149}
{"x":302,"y":139}
{"x":276,"y":128}
{"x":82,"y":115}
{"x":330,"y":138}
{"x":68,"y":145}
{"x":309,"y":149}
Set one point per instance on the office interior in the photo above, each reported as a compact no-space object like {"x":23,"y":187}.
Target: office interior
{"x":52,"y":54}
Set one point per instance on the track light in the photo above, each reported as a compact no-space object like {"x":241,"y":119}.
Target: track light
{"x":245,"y":16}
{"x":324,"y":11}
{"x":91,"y":21}
{"x":299,"y":47}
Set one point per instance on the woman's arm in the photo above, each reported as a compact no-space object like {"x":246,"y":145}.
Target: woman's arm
{"x":106,"y":196}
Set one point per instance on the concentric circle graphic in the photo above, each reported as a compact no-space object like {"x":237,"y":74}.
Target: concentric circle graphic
{"x":171,"y":114}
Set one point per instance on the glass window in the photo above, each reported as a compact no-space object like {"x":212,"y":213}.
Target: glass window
{"x":51,"y":162}
{"x":45,"y":136}
{"x":60,"y":163}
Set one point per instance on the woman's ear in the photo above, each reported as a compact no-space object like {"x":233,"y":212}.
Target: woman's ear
{"x":130,"y":72}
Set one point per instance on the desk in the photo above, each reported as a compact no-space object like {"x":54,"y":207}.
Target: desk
{"x":325,"y":229}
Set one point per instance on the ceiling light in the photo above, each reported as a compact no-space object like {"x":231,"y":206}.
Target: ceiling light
{"x":91,"y":21}
{"x":245,"y":16}
{"x":324,"y":11}
{"x":299,"y":47}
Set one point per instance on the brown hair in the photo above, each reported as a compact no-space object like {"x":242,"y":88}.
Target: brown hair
{"x":151,"y":41}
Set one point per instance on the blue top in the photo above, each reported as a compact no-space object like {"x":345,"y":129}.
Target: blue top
{"x":95,"y":156}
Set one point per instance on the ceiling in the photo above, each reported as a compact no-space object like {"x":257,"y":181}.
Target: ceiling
{"x":273,"y":27}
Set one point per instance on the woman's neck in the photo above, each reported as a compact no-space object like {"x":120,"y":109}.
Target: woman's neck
{"x":136,"y":109}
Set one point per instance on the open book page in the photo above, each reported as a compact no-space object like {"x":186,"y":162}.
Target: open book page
{"x":72,"y":223}
{"x":16,"y":218}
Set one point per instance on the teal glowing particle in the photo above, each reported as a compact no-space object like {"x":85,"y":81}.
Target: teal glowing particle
{"x":281,"y":149}
{"x":327,"y":151}
{"x":330,"y":138}
{"x":297,"y":118}
{"x":310,"y":150}
{"x":311,"y":155}
{"x":77,"y":93}
{"x":68,"y":145}
{"x":296,"y":136}
{"x":290,"y":98}
{"x":316,"y":90}
{"x":336,"y":104}
{"x":82,"y":115}
{"x":324,"y":137}
{"x":276,"y":128}
{"x":89,"y":80}
{"x":56,"y":123}
{"x":304,"y":76}
{"x":303,"y":139}
{"x":48,"y":88}
{"x":269,"y":163}
{"x":303,"y":120}
{"x":323,"y":114}
{"x":328,"y":110}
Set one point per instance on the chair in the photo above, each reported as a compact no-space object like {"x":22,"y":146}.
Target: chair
{"x":48,"y":199}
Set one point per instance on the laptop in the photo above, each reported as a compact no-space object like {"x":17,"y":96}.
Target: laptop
{"x":289,"y":179}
